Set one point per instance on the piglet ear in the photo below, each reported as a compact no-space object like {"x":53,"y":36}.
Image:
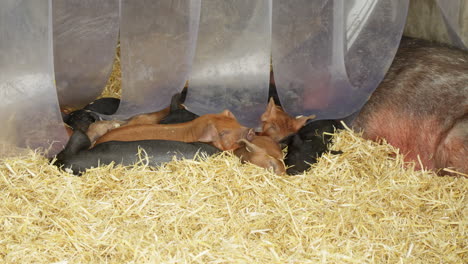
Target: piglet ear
{"x":210,"y":134}
{"x":300,"y":121}
{"x":228,"y":114}
{"x":250,"y":147}
{"x":277,"y":167}
{"x":270,"y":112}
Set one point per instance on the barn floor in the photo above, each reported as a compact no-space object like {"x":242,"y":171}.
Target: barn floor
{"x":363,"y":206}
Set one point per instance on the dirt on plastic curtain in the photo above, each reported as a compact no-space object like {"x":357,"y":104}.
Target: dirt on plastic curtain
{"x":29,"y":110}
{"x":157,"y":40}
{"x":329,"y":56}
{"x":232,"y":59}
{"x":85,"y":38}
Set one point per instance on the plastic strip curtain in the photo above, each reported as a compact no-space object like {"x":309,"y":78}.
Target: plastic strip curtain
{"x":451,"y":13}
{"x":369,"y":55}
{"x":29,"y":110}
{"x":157,"y":40}
{"x":232,"y":61}
{"x":328,"y":56}
{"x":85,"y":38}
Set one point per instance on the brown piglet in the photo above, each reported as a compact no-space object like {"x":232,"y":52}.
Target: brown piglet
{"x":262,"y":151}
{"x":150,"y":118}
{"x":221,"y":130}
{"x":278,"y":124}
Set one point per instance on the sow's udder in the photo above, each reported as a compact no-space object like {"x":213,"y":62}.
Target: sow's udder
{"x":421,"y":107}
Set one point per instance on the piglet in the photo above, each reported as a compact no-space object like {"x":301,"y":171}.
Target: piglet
{"x":222,"y":130}
{"x":308,"y":144}
{"x":263,"y":152}
{"x":278,"y":124}
{"x":81,"y":119}
{"x":77,"y":157}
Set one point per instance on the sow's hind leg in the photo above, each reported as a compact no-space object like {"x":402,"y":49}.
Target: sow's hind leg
{"x":452,"y":151}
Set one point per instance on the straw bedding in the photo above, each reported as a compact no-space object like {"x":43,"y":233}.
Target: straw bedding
{"x":363,"y":206}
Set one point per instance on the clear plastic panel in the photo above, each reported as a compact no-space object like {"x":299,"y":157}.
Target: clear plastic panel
{"x":85,"y":38}
{"x":451,"y":13}
{"x":29,"y":110}
{"x":232,"y":60}
{"x":369,"y":56}
{"x":157,"y":41}
{"x":329,"y":56}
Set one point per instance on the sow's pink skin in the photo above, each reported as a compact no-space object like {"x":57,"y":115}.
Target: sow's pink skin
{"x":421,"y":107}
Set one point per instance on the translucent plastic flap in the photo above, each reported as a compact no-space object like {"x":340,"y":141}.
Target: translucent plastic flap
{"x":157,"y":41}
{"x":29,"y":110}
{"x":85,"y":38}
{"x":328,"y":56}
{"x":451,"y":13}
{"x":232,"y":59}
